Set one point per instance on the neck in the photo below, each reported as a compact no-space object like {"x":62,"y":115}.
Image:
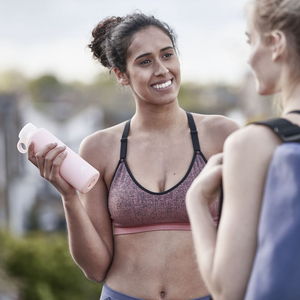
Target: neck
{"x":291,"y":99}
{"x":159,"y":118}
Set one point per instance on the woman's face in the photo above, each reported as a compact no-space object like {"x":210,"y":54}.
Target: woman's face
{"x":153,"y":68}
{"x":265,"y":70}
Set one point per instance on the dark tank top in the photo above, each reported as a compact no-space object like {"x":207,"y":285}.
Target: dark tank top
{"x":135,"y":209}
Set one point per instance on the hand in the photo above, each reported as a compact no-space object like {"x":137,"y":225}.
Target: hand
{"x":48,"y":160}
{"x":207,"y":185}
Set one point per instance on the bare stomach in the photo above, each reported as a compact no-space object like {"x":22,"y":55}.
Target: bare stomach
{"x":156,"y":265}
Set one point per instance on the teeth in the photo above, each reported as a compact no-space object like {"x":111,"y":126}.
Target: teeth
{"x":161,"y":86}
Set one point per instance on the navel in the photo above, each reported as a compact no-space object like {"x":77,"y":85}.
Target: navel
{"x":162,"y":294}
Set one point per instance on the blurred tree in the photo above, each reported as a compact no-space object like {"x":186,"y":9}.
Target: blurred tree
{"x":46,"y":88}
{"x":190,"y":97}
{"x":45,"y":269}
{"x":13,"y":81}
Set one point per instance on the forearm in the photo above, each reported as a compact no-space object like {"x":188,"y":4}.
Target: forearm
{"x":87,"y":247}
{"x":204,"y":235}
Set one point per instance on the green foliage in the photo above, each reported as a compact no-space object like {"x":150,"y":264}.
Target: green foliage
{"x":13,"y":80}
{"x":189,"y":97}
{"x":45,"y":88}
{"x":45,"y":268}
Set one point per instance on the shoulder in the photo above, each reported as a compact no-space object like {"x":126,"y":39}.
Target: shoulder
{"x":100,"y":146}
{"x":251,"y":145}
{"x":217,"y":124}
{"x":213,"y":131}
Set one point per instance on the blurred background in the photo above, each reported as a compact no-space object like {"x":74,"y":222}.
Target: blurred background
{"x":48,"y":78}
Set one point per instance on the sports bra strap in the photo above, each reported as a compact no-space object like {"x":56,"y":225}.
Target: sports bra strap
{"x":194,"y":132}
{"x":287,"y":131}
{"x":294,"y":112}
{"x":124,"y":140}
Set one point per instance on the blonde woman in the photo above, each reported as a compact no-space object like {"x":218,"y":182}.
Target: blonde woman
{"x":226,"y":256}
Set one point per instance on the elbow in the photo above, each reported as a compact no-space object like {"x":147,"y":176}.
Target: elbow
{"x":95,"y":277}
{"x":93,"y":270}
{"x":223,"y":293}
{"x":95,"y":273}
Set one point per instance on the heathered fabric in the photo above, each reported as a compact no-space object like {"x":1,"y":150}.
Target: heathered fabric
{"x":133,"y":208}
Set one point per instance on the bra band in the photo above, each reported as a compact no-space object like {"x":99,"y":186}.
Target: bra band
{"x":193,"y":129}
{"x":152,"y":227}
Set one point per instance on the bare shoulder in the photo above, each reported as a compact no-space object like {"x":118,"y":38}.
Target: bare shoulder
{"x":252,"y":144}
{"x":213,"y":131}
{"x":216,"y":124}
{"x":102,"y":146}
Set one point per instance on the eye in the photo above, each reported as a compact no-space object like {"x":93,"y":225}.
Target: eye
{"x":145,"y":62}
{"x":167,"y":55}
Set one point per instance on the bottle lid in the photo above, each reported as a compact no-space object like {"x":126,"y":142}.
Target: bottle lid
{"x":24,"y":136}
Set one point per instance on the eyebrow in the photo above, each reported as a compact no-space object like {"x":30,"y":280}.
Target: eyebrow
{"x":247,"y":34}
{"x":149,"y":53}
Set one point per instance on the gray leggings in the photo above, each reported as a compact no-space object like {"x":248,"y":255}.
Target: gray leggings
{"x":110,"y":294}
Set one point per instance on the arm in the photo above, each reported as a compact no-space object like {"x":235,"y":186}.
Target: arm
{"x":225,"y":257}
{"x":89,"y":225}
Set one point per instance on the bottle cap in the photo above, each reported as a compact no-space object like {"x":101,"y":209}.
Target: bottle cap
{"x":24,"y":136}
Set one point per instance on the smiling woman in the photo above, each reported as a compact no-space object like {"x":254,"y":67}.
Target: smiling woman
{"x":132,"y":229}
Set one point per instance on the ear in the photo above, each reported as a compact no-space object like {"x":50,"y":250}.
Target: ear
{"x":279,"y":44}
{"x":121,"y":76}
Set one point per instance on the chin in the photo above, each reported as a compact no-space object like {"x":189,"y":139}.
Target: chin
{"x":263,"y":93}
{"x":263,"y":90}
{"x":266,"y":92}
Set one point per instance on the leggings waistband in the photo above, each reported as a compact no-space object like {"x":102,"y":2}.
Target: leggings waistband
{"x":110,"y":294}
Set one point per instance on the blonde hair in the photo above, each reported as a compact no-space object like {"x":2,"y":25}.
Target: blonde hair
{"x":283,"y":15}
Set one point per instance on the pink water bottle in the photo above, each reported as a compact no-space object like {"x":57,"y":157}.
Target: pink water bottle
{"x":74,"y":169}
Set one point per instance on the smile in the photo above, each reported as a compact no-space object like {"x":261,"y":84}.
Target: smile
{"x":163,"y":85}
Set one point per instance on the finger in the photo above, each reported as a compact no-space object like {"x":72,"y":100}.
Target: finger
{"x":30,"y":153}
{"x":50,"y":158}
{"x":217,"y":173}
{"x":40,"y":156}
{"x":216,"y":159}
{"x":54,"y":175}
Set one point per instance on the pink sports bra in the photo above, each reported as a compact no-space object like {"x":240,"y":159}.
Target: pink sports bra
{"x":135,"y":209}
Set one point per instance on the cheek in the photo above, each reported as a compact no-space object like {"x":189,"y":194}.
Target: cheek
{"x":252,"y":58}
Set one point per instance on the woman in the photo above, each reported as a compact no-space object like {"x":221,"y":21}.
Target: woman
{"x":226,"y":257}
{"x":142,"y":187}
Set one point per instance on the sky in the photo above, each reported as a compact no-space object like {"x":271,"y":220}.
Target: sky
{"x":39,"y":36}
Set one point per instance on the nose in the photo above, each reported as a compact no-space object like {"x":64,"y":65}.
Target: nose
{"x":160,"y":69}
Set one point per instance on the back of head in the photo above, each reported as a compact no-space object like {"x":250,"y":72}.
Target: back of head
{"x":282,"y":15}
{"x":113,"y":36}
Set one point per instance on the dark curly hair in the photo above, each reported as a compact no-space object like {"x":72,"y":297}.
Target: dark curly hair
{"x":112,"y":37}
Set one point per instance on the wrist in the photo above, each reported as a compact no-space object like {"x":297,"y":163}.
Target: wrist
{"x":70,"y":197}
{"x":195,"y":198}
{"x":200,"y":198}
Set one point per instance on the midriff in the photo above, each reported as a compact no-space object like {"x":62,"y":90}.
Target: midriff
{"x":156,"y":265}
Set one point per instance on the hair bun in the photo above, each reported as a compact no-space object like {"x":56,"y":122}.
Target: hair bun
{"x":101,"y":34}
